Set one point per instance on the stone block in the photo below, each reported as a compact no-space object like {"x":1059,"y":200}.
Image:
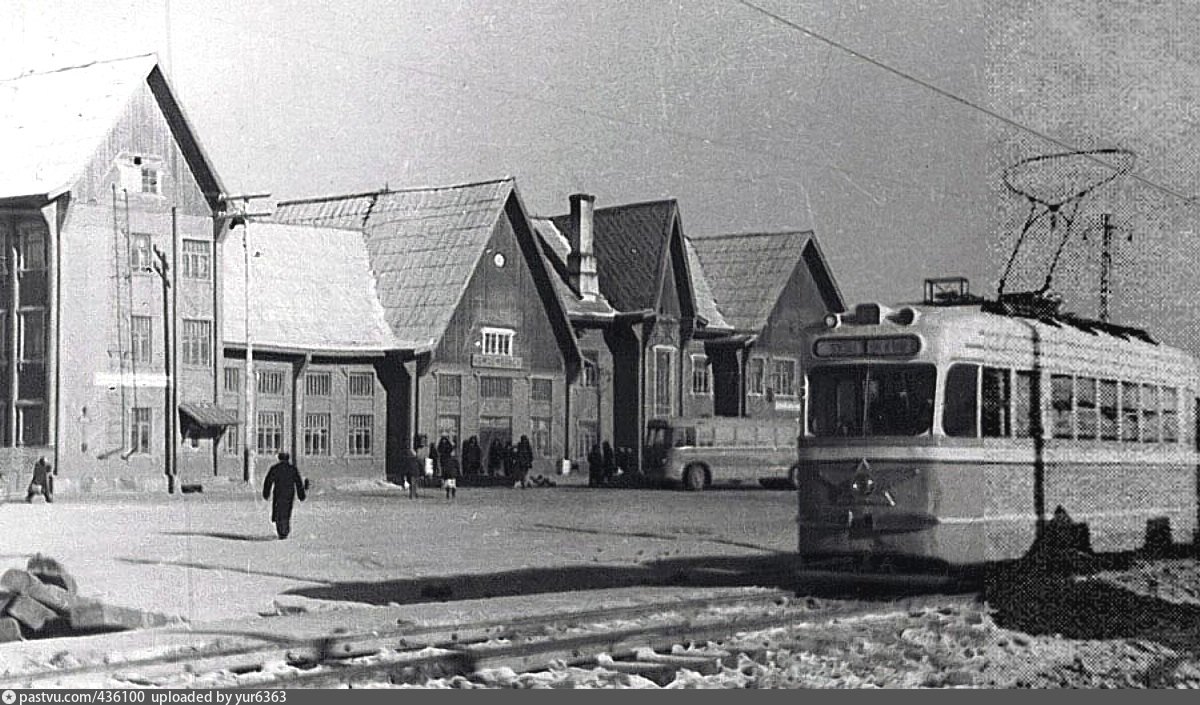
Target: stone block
{"x":52,"y":596}
{"x":52,"y":572}
{"x":29,"y":612}
{"x":93,"y":614}
{"x":10,"y":630}
{"x":17,"y":581}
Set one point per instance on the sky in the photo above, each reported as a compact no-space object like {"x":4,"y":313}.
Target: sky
{"x":750,"y":124}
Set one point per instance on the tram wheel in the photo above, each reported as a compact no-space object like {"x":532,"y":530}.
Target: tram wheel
{"x":693,"y":478}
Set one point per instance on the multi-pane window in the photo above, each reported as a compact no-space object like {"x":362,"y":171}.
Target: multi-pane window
{"x":197,"y":259}
{"x":269,"y":431}
{"x":195,"y":342}
{"x":360,"y":429}
{"x":587,"y":436}
{"x":701,"y":386}
{"x":317,"y":384}
{"x":1062,"y":404}
{"x":1170,"y":415}
{"x":664,"y":363}
{"x":139,"y":429}
{"x":33,"y":334}
{"x":1086,"y":421}
{"x":1027,"y":416}
{"x":1108,"y":409}
{"x":229,"y":444}
{"x":33,"y":249}
{"x":498,"y":341}
{"x":31,"y":424}
{"x":541,"y":436}
{"x":151,"y":180}
{"x":449,"y":386}
{"x":316,"y":434}
{"x":756,"y":376}
{"x":139,"y":252}
{"x":142,"y":341}
{"x":783,"y":377}
{"x":495,"y":387}
{"x":233,"y":379}
{"x":994,"y":416}
{"x":1131,"y":412}
{"x":591,"y":369}
{"x":1149,"y":413}
{"x":541,"y":389}
{"x":270,"y":382}
{"x":362,"y":384}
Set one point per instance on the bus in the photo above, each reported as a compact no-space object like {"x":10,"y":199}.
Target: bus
{"x":704,"y":452}
{"x":957,"y":431}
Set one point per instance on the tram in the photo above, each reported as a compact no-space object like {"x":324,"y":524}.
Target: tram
{"x":956,"y":429}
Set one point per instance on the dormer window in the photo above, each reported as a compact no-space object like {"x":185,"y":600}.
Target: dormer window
{"x":498,"y":341}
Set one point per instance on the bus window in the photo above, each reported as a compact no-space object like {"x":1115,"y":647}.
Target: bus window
{"x":1131,"y":412}
{"x":1085,"y":407}
{"x":1108,"y":410}
{"x":995,"y":391}
{"x":961,"y":389}
{"x":1025,"y":410}
{"x":1062,"y":401}
{"x":1170,"y":415}
{"x":871,"y":400}
{"x":1149,"y":413}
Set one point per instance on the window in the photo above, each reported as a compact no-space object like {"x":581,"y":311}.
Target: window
{"x":195,"y":342}
{"x":591,"y":369}
{"x":1062,"y":402}
{"x":1131,"y":412}
{"x":756,"y":376}
{"x":33,"y":334}
{"x":1028,"y":418}
{"x":588,"y":435}
{"x":1108,"y":409}
{"x":270,"y":382}
{"x":33,"y":247}
{"x":541,"y":436}
{"x":361,"y":427}
{"x":448,"y":425}
{"x":783,"y":377}
{"x":316,"y":384}
{"x":994,"y":418}
{"x":1170,"y":415}
{"x":664,"y":363}
{"x":449,"y":386}
{"x":362,"y":384}
{"x":700,"y":376}
{"x":269,"y":430}
{"x":495,"y":387}
{"x":1085,"y":408}
{"x":229,"y":444}
{"x":961,"y":405}
{"x":139,"y":429}
{"x":877,"y":400}
{"x":316,"y":434}
{"x":141,"y":332}
{"x":139,"y":252}
{"x":197,"y":262}
{"x":31,"y":425}
{"x":151,"y":182}
{"x":541,"y":389}
{"x":233,"y":379}
{"x":1149,"y":413}
{"x":498,"y":341}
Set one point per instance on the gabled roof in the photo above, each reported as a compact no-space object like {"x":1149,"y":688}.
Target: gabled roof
{"x":631,"y":246}
{"x":52,"y":123}
{"x":748,"y":271}
{"x":706,"y":304}
{"x":555,"y":250}
{"x":311,"y":290}
{"x":425,"y":244}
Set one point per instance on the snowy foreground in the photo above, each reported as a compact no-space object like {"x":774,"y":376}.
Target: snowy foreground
{"x":367,"y":549}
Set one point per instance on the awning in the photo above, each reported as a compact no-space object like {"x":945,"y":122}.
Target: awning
{"x":208,"y":414}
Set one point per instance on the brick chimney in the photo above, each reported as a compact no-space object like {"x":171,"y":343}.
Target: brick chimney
{"x":581,"y":262}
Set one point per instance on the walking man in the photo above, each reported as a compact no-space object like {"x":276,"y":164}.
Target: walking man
{"x":42,"y":482}
{"x":285,"y":479}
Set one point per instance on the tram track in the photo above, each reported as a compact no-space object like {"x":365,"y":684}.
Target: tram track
{"x":653,"y":640}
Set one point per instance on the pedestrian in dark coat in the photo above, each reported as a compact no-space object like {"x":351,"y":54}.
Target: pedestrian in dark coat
{"x":508,"y":459}
{"x":472,"y":456}
{"x":595,"y":461}
{"x":610,"y":461}
{"x":284,"y":478}
{"x":42,"y":482}
{"x":495,"y":459}
{"x":524,"y":461}
{"x":417,"y":468}
{"x":450,"y":475}
{"x":445,"y":449}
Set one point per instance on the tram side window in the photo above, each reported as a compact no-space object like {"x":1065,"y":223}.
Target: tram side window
{"x":1085,"y":408}
{"x":1025,"y":417}
{"x":1108,"y":410}
{"x":1131,"y":412}
{"x":1149,"y":413}
{"x":1170,"y":415}
{"x":996,"y":392}
{"x":960,"y":411}
{"x":1062,"y":401}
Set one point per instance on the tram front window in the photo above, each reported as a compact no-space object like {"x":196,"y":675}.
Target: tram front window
{"x":871,"y":400}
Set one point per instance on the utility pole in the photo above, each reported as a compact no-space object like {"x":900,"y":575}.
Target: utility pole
{"x":162,"y":268}
{"x":243,"y":217}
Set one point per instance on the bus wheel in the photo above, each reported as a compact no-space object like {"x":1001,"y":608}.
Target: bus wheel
{"x":794,"y":476}
{"x":693,"y":478}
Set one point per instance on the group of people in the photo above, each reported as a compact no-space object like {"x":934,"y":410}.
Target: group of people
{"x":604,"y":463}
{"x":443,"y":462}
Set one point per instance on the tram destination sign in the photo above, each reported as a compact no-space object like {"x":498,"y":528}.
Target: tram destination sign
{"x":883,"y":346}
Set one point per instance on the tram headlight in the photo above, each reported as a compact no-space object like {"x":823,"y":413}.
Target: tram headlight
{"x":832,"y":320}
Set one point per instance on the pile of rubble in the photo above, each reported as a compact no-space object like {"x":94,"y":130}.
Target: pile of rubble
{"x":43,"y":601}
